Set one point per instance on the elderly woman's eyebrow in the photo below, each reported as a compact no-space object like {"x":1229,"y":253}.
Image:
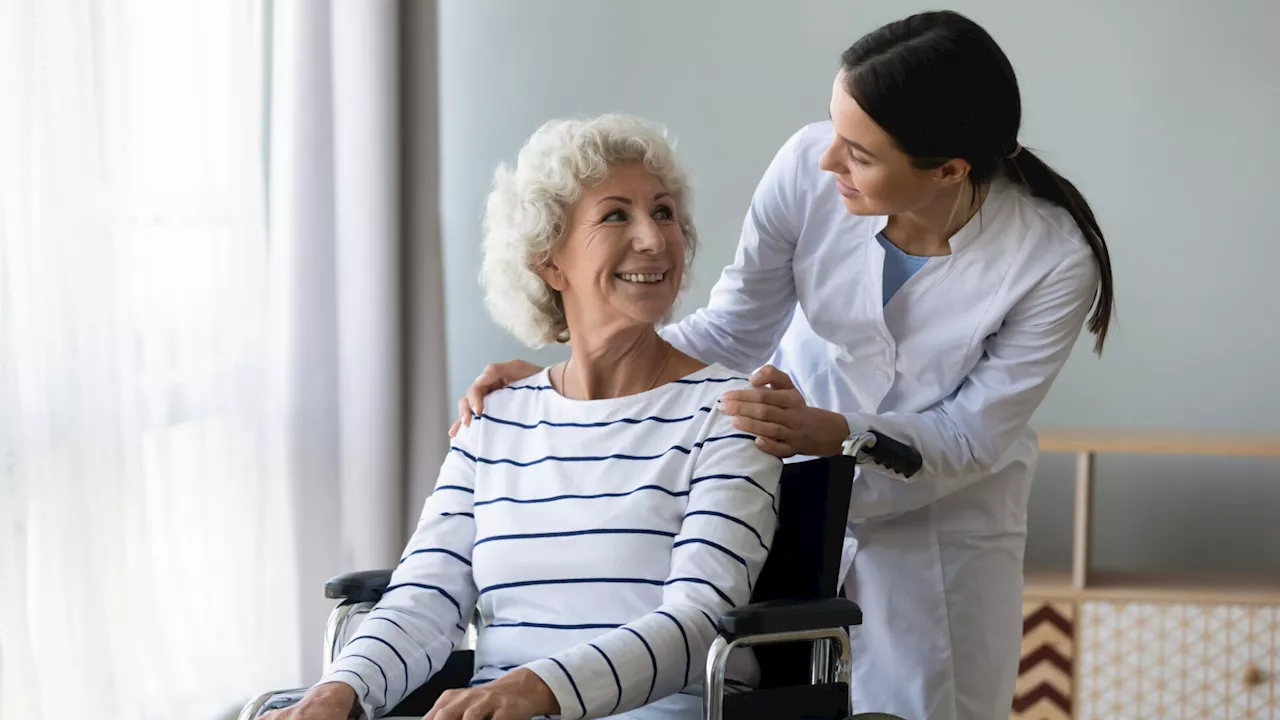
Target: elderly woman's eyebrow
{"x":619,"y":198}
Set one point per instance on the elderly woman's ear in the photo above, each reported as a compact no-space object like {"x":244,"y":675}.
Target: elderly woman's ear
{"x":551,"y":274}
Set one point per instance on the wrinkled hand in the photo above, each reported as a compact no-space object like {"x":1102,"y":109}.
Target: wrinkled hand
{"x":330,"y":701}
{"x":518,"y":695}
{"x":495,"y":377}
{"x":784,"y":425}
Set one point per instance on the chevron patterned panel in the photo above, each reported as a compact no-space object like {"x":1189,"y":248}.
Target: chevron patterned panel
{"x":1045,"y":675}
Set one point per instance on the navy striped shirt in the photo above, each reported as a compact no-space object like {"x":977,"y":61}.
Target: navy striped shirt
{"x":599,"y":539}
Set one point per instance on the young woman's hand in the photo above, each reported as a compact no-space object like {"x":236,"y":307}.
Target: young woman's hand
{"x":518,"y":695}
{"x":784,"y":425}
{"x":330,"y":701}
{"x":495,"y":377}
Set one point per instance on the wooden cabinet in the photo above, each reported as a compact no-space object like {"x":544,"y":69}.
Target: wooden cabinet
{"x":1102,"y":646}
{"x":1177,"y":661}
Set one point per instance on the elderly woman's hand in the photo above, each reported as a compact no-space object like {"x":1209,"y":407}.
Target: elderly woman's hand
{"x":784,"y":425}
{"x":518,"y":695}
{"x":330,"y":701}
{"x":495,"y":377}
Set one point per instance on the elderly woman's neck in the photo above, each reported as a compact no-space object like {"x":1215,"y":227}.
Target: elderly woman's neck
{"x":620,"y":364}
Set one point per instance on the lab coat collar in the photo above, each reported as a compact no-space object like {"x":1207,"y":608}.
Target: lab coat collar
{"x":997,"y":196}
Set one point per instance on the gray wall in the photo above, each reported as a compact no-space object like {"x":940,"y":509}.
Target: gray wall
{"x":1164,"y":112}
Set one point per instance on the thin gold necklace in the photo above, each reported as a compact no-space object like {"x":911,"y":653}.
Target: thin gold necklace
{"x":564,"y":371}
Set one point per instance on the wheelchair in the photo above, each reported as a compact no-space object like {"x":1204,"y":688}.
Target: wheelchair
{"x":796,"y":622}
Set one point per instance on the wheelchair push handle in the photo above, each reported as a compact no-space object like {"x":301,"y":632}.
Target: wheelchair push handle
{"x":884,"y":451}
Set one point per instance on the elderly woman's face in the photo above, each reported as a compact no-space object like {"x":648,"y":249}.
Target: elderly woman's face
{"x":623,"y":259}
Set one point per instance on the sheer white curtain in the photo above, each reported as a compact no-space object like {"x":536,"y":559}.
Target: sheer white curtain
{"x":339,"y":293}
{"x":147,"y":534}
{"x":210,"y":354}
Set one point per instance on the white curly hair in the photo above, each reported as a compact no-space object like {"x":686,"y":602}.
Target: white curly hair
{"x":527,"y":211}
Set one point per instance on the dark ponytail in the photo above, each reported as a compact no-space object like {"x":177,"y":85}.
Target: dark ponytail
{"x":1026,"y":169}
{"x":942,"y":88}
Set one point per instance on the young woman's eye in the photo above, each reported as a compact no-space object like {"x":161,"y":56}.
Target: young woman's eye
{"x":856,"y":160}
{"x":663,"y":212}
{"x":618,"y":215}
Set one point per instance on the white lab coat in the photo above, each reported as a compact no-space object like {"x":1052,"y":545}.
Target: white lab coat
{"x":955,"y":365}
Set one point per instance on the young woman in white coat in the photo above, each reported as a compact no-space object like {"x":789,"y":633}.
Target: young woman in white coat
{"x":908,"y":267}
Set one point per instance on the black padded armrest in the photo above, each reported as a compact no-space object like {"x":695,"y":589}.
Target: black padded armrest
{"x":782,"y":616}
{"x":356,"y":587}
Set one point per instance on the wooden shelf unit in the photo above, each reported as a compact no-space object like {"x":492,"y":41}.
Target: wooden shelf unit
{"x":1082,"y":583}
{"x":1099,"y":645}
{"x":1152,"y":588}
{"x":1155,"y":442}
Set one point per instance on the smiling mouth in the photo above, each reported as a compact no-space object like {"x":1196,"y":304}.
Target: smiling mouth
{"x":846,"y":190}
{"x":642,"y":278}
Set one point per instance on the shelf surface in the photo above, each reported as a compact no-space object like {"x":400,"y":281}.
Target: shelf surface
{"x":1158,"y":442}
{"x":1134,"y":587}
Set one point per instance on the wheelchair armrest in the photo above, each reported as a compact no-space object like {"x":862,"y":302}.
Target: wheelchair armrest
{"x":357,"y":587}
{"x":785,"y":616}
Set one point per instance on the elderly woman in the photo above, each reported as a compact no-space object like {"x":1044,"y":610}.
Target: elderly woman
{"x":600,"y":515}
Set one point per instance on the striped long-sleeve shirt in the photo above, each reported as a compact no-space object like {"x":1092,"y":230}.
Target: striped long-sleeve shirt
{"x":599,"y":539}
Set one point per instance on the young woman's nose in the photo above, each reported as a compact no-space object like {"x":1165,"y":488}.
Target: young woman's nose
{"x":830,"y":160}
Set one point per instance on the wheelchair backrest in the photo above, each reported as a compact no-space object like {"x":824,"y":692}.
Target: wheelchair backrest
{"x":804,"y":560}
{"x":813,"y":507}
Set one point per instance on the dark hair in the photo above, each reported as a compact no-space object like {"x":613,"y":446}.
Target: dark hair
{"x":942,"y":88}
